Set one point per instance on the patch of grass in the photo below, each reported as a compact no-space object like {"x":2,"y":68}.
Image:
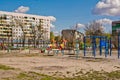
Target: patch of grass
{"x":4,"y":67}
{"x":12,"y":54}
{"x":114,"y":75}
{"x":92,"y":75}
{"x":5,"y":79}
{"x":98,"y":75}
{"x":31,"y":76}
{"x":22,"y":75}
{"x":47,"y":78}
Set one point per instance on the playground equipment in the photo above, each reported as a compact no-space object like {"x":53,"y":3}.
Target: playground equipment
{"x":56,"y":47}
{"x":104,"y":42}
{"x":77,"y":49}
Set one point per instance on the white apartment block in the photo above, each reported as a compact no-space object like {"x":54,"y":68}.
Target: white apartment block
{"x":10,"y":24}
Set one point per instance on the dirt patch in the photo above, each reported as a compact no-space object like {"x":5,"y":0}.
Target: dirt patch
{"x":58,"y":64}
{"x":8,"y":73}
{"x":50,"y":68}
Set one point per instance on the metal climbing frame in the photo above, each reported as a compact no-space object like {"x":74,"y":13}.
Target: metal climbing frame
{"x":107,"y":46}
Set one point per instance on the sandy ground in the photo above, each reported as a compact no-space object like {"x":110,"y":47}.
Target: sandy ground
{"x":66,"y":65}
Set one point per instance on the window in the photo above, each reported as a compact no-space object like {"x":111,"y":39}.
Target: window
{"x":25,"y":17}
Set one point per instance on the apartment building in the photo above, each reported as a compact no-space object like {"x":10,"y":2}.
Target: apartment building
{"x":15,"y":25}
{"x":115,"y":27}
{"x":115,"y":32}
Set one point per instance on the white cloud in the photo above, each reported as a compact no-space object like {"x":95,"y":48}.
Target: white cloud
{"x":52,"y":18}
{"x":52,"y":26}
{"x":104,"y":21}
{"x":107,"y":7}
{"x":22,"y":9}
{"x":80,"y":25}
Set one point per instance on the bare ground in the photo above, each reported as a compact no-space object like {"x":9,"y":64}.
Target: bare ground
{"x":57,"y":65}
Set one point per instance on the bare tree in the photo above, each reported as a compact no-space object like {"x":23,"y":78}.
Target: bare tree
{"x":37,"y":31}
{"x":15,"y":23}
{"x":18,"y":23}
{"x":34,"y":33}
{"x":94,"y":28}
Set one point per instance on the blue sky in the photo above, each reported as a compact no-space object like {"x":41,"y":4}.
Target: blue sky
{"x":67,"y":12}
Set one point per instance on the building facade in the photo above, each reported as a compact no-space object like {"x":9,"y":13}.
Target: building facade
{"x":115,"y":32}
{"x":73,"y":38}
{"x":72,"y":35}
{"x":115,"y":27}
{"x":15,"y":25}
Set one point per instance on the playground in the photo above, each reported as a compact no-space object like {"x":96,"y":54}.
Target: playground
{"x":54,"y":60}
{"x":57,"y":65}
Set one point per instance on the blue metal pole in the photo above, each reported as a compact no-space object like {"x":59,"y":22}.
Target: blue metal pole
{"x":94,"y":47}
{"x":110,"y":47}
{"x":106,"y":47}
{"x":100,"y":46}
{"x":84,"y":40}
